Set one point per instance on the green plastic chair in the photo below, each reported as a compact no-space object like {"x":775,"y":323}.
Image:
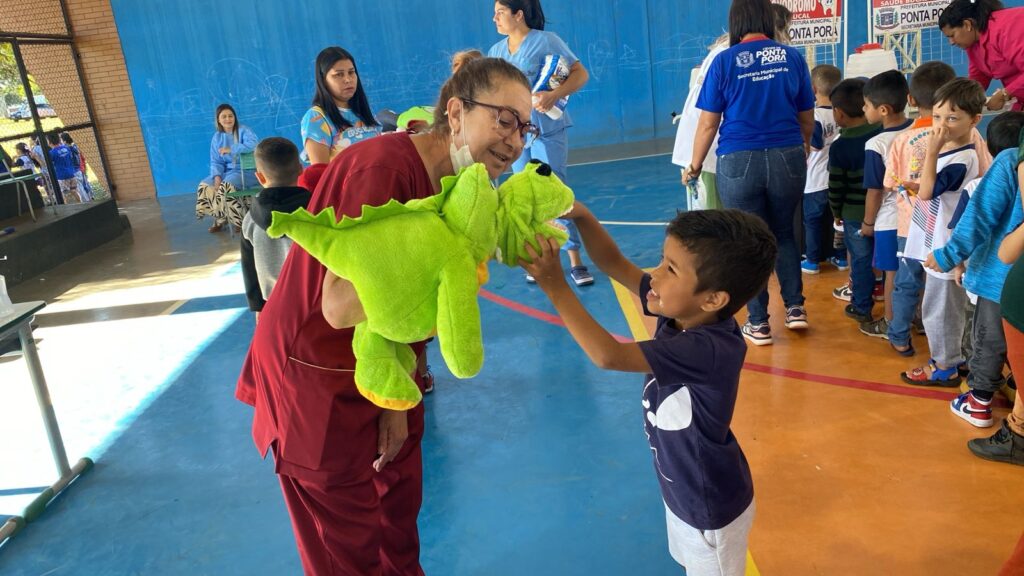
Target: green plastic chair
{"x":246,"y":161}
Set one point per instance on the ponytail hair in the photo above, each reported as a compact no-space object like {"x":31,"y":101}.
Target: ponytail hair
{"x":533,"y":14}
{"x":977,"y":11}
{"x":471,"y":79}
{"x":783,"y":18}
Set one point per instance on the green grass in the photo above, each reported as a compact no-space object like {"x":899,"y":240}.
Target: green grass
{"x":10,"y":127}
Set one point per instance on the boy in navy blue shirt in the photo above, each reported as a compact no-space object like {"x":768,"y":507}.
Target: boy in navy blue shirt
{"x":714,"y":262}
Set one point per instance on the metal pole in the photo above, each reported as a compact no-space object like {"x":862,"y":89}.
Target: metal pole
{"x":846,"y":35}
{"x":88,"y":101}
{"x":35,"y":370}
{"x":43,"y":144}
{"x":870,"y":32}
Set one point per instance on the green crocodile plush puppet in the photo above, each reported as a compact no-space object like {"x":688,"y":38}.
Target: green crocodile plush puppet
{"x":417,"y":267}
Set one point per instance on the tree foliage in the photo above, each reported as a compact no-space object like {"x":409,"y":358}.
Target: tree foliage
{"x":11,"y":90}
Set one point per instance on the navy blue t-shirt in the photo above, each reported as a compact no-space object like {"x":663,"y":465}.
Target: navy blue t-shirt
{"x":688,"y":403}
{"x":759,"y":87}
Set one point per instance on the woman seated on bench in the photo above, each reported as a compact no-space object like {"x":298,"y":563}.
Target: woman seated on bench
{"x":230,"y":140}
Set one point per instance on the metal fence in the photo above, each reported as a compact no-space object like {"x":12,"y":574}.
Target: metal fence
{"x":43,"y":94}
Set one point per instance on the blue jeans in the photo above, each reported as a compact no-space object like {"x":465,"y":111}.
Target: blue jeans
{"x":553,"y":150}
{"x":862,"y":277}
{"x":815,"y":209}
{"x":908,"y":284}
{"x":770,"y":184}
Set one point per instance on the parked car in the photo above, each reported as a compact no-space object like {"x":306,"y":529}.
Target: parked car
{"x":24,"y":113}
{"x":21,"y":113}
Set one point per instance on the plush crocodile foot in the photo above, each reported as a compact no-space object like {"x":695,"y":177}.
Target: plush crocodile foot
{"x":383,"y":370}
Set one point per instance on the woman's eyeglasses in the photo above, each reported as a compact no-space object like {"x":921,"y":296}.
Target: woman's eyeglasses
{"x":507,"y":120}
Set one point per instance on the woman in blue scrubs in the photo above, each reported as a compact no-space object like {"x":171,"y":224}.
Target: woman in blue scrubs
{"x":527,"y":46}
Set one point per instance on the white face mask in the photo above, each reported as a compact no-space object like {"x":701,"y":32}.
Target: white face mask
{"x":461,"y":157}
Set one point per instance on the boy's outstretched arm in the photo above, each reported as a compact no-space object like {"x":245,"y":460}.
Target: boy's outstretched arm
{"x":603,"y":250}
{"x":602,"y":349}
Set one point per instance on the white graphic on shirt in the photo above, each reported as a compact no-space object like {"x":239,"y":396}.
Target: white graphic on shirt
{"x":772,"y":55}
{"x":744,"y":59}
{"x":674,"y":414}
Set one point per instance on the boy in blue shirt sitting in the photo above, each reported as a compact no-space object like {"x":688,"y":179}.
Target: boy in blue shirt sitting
{"x":714,"y":262}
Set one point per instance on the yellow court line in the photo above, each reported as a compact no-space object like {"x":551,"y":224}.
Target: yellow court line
{"x":751,"y":567}
{"x":639,"y":332}
{"x":173,"y":308}
{"x":633,"y":318}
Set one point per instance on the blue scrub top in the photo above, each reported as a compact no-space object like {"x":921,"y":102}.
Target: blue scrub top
{"x":529,"y":59}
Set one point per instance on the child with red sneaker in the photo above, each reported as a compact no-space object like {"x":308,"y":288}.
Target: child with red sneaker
{"x":994,"y":212}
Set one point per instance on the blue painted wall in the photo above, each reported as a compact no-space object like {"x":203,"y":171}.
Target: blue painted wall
{"x":186,"y":56}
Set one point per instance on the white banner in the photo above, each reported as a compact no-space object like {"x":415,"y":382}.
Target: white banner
{"x":897,"y":16}
{"x":815,"y":21}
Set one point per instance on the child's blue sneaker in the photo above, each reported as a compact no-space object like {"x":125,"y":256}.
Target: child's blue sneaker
{"x":757,"y":334}
{"x":839,"y":263}
{"x":808,"y":267}
{"x":581,"y":276}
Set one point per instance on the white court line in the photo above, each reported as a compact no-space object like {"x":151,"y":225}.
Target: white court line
{"x":621,"y":159}
{"x":620,"y":223}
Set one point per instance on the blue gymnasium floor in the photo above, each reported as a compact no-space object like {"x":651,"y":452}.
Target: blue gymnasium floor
{"x":537,"y":466}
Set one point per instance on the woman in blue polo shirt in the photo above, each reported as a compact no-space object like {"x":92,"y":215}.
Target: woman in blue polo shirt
{"x":528,"y":46}
{"x":341,"y":114}
{"x":760,"y":92}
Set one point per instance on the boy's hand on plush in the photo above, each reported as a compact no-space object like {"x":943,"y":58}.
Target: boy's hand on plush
{"x":578,"y":210}
{"x":932,"y":264}
{"x":938,"y":138}
{"x":546,"y":266}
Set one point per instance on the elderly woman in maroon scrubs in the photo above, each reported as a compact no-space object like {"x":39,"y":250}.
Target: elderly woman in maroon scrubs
{"x":351,"y":472}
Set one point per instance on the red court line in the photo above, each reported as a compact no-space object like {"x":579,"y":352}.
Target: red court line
{"x":851,"y":383}
{"x":929,"y":393}
{"x":533,"y":312}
